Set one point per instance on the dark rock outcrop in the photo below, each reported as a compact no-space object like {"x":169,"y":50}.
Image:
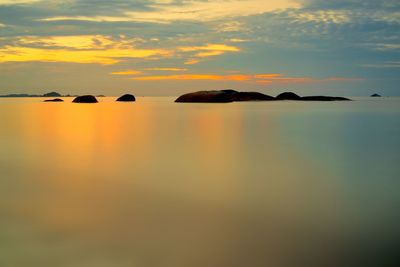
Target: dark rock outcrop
{"x":227,"y":96}
{"x":293,"y":96}
{"x":288,"y":96}
{"x":375,"y":95}
{"x":323,"y":98}
{"x":206,"y":97}
{"x":127,"y":98}
{"x":85,"y":99}
{"x":52,"y":94}
{"x":54,"y":100}
{"x":252,"y":96}
{"x":222,"y":96}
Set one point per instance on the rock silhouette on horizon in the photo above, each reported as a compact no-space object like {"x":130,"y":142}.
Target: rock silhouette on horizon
{"x":54,"y":100}
{"x":288,"y":96}
{"x":52,"y":94}
{"x":376,"y":95}
{"x":126,"y":98}
{"x":85,"y":99}
{"x":324,"y":98}
{"x":222,"y":96}
{"x":227,"y":96}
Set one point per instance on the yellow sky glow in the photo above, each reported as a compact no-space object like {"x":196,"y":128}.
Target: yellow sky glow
{"x":127,"y":72}
{"x":256,"y":78}
{"x":192,"y":10}
{"x":104,"y":57}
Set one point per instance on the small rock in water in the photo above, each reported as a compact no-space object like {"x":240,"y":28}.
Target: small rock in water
{"x":85,"y":99}
{"x":54,"y":100}
{"x":127,"y":98}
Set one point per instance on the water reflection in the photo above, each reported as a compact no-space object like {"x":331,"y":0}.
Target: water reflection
{"x":159,"y":184}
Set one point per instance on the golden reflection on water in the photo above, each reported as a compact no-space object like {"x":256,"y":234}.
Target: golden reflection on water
{"x":159,"y":184}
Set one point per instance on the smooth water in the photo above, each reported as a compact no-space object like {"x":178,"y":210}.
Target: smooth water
{"x":160,"y":184}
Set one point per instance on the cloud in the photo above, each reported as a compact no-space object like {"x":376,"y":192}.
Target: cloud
{"x":268,"y":78}
{"x":209,"y":50}
{"x":74,"y":42}
{"x":167,"y":69}
{"x":16,"y":2}
{"x":194,"y":10}
{"x":104,"y":57}
{"x":389,"y":64}
{"x":386,"y":47}
{"x":127,"y":72}
{"x":322,"y":16}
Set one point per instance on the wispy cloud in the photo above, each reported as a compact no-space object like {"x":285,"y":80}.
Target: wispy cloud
{"x":127,"y":72}
{"x":209,"y":50}
{"x":267,"y":78}
{"x":386,"y":47}
{"x":195,"y":10}
{"x":16,"y":2}
{"x":389,"y":64}
{"x":167,"y":69}
{"x":74,"y":42}
{"x":104,"y":57}
{"x":323,"y":16}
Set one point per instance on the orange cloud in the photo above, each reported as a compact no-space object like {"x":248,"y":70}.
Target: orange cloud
{"x":180,"y":77}
{"x":208,"y":50}
{"x":268,"y":78}
{"x":105,"y":56}
{"x":127,"y":72}
{"x":166,"y":69}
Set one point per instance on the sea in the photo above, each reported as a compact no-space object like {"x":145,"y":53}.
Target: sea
{"x":161,"y":184}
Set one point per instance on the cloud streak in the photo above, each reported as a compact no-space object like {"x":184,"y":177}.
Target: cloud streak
{"x":268,"y":78}
{"x":103,"y":57}
{"x":167,"y":12}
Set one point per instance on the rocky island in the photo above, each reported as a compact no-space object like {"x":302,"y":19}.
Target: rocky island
{"x":85,"y":99}
{"x":126,"y":98}
{"x":228,"y":96}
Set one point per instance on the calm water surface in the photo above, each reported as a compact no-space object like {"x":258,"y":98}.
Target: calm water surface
{"x":159,"y":184}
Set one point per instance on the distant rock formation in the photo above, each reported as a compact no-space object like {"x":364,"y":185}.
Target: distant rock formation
{"x":376,"y":95}
{"x":227,"y":96}
{"x":127,"y":98}
{"x":288,"y":96}
{"x":252,"y":96}
{"x":324,"y":98}
{"x":222,"y":96}
{"x":100,"y":96}
{"x":293,"y":96}
{"x":54,"y":100}
{"x":85,"y":99}
{"x":52,"y":94}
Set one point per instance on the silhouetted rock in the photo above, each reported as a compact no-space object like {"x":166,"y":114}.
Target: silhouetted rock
{"x":229,"y":91}
{"x":54,"y":100}
{"x":206,"y":97}
{"x":252,"y":96}
{"x":222,"y":96}
{"x":375,"y":95}
{"x":127,"y":98}
{"x":226,"y":96}
{"x":323,"y":98}
{"x":288,"y":96}
{"x":100,"y":96}
{"x":85,"y":99}
{"x":52,"y":94}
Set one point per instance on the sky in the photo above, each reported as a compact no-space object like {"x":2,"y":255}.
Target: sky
{"x":170,"y":47}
